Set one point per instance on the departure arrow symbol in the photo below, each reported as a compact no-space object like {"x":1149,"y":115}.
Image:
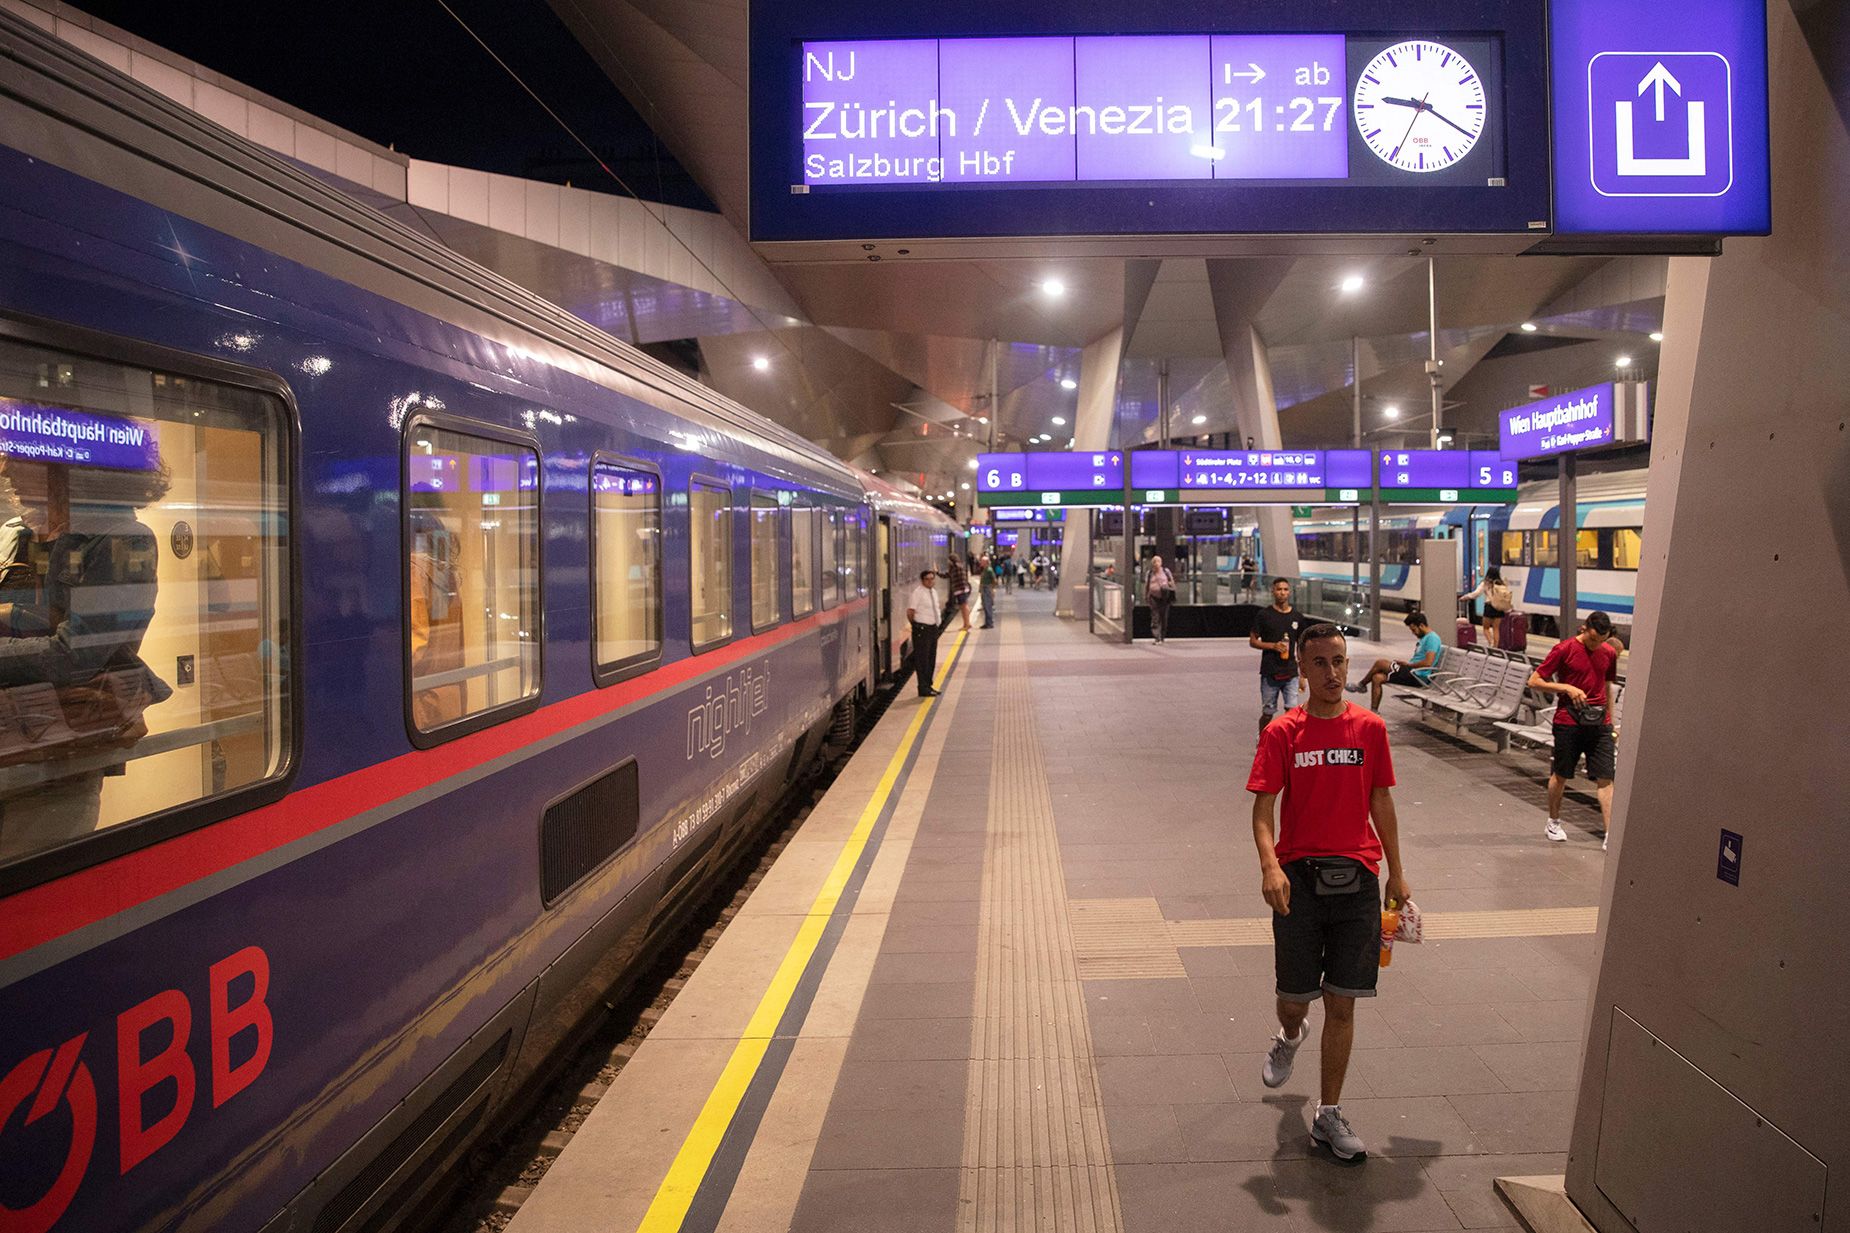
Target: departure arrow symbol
{"x":1257,"y":74}
{"x":1659,"y":76}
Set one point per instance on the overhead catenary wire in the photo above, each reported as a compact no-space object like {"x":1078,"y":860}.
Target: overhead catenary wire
{"x":650,"y":207}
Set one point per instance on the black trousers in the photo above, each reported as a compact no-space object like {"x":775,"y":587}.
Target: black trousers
{"x":925,"y":654}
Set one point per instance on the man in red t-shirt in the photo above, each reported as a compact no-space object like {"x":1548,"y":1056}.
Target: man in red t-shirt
{"x":1579,"y":670}
{"x":1329,"y":759}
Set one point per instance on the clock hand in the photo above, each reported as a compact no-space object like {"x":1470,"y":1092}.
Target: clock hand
{"x":1414,"y":103}
{"x":1421,"y":106}
{"x":1441,"y":119}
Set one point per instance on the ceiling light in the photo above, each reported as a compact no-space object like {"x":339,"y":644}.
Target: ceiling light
{"x":1059,"y":421}
{"x":1200,"y":419}
{"x":973,"y":464}
{"x":982,"y":419}
{"x":1528,"y":327}
{"x":1625,"y":361}
{"x":1391,"y":411}
{"x":1445,"y":438}
{"x":1352,"y":284}
{"x":1054,"y":288}
{"x":965,"y":487}
{"x":1067,"y":383}
{"x":761,"y":362}
{"x":1657,"y":336}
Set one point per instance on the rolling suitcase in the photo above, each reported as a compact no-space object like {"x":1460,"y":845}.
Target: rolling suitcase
{"x":1467,"y":632}
{"x":1514,"y":634}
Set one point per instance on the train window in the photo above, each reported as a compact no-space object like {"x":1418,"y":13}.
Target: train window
{"x":857,"y":531}
{"x":1545,"y":549}
{"x":831,"y":557}
{"x":1586,"y":549}
{"x":626,"y":536}
{"x":765,"y":603}
{"x":710,"y":582}
{"x":144,"y":596}
{"x":472,"y":575}
{"x":802,"y":561}
{"x":1627,"y":547}
{"x":1511,"y":548}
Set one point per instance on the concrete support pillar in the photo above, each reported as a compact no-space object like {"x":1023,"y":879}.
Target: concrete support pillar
{"x":1713,"y":1091}
{"x":1239,"y":289}
{"x":1098,"y":404}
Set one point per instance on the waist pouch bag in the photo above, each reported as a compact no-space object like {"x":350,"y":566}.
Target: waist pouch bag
{"x":1335,"y":875}
{"x":1590,"y":714}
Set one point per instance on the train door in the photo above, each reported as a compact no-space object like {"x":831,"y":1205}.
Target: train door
{"x":883,"y":596}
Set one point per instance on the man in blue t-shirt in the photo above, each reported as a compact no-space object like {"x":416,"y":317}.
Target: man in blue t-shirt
{"x":1415,"y":672}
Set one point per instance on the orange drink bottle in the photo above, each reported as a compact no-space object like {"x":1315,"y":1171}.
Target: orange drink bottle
{"x":1390,"y":924}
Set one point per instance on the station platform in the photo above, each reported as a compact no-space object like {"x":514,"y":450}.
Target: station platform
{"x":1015,"y":972}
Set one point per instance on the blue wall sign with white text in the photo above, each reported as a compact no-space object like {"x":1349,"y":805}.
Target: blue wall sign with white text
{"x":1728,"y":859}
{"x":1660,"y":117}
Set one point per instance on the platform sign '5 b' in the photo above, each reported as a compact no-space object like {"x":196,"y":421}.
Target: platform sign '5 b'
{"x":50,"y":1100}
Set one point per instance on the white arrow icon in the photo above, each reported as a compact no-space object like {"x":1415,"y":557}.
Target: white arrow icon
{"x":1255,"y":75}
{"x":1660,"y":77}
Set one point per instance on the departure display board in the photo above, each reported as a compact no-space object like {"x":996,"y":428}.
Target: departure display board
{"x":956,"y":119}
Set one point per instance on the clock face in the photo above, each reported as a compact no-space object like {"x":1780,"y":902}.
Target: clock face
{"x":1420,"y":106}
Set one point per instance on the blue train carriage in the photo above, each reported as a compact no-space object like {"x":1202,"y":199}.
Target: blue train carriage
{"x":909,"y":537}
{"x":1522,"y":540}
{"x":386,"y":659}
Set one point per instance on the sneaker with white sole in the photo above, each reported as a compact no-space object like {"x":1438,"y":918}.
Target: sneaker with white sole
{"x":1283,"y":1053}
{"x":1556,"y":831}
{"x":1332,"y":1130}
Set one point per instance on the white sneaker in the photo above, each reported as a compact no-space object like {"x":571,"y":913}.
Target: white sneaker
{"x":1555,"y":831}
{"x":1284,"y":1052}
{"x":1332,"y":1130}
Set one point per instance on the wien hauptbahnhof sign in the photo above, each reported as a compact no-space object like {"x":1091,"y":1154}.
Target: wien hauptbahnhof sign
{"x":968,"y":118}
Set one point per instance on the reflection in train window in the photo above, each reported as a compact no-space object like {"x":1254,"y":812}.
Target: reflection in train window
{"x":831,"y":557}
{"x":764,"y":560}
{"x":627,"y":578}
{"x":710,"y":534}
{"x":802,"y":562}
{"x":1627,"y":547}
{"x":473,"y":577}
{"x":144,"y":603}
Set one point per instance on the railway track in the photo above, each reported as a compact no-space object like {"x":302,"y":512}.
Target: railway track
{"x":497,"y":1177}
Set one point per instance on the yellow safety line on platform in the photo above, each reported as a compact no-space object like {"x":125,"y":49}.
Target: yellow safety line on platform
{"x":676,"y":1194}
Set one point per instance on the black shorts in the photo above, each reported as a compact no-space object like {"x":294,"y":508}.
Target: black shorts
{"x":1594,"y":741}
{"x":1329,"y":943}
{"x":1404,"y":676}
{"x":1494,"y":614}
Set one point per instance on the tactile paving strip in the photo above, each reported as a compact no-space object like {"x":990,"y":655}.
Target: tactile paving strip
{"x":1129,"y":939}
{"x":1035,"y":1154}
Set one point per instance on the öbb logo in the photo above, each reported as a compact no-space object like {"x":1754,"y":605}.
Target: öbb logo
{"x":150,"y":1057}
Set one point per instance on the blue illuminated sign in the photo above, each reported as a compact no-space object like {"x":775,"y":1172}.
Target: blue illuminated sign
{"x":1660,"y":117}
{"x":1577,"y":421}
{"x":1062,"y":472}
{"x":1445,"y":469}
{"x":48,"y":434}
{"x":1001,"y":473}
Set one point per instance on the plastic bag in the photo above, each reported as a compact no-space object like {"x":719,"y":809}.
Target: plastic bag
{"x":1412,"y":928}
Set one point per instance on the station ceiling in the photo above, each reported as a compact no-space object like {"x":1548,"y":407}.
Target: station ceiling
{"x":890,"y":364}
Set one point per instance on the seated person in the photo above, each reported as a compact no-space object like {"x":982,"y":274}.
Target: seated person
{"x":1415,"y":672}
